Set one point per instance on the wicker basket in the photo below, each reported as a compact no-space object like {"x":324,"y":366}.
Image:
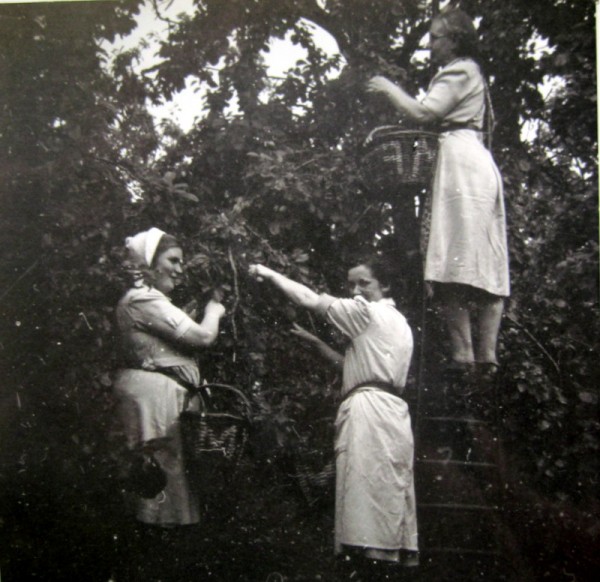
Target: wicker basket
{"x":314,"y":461}
{"x":214,"y":439}
{"x":392,"y":158}
{"x":315,"y":475}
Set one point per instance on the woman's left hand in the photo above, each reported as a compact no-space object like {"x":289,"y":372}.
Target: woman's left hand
{"x":304,"y":334}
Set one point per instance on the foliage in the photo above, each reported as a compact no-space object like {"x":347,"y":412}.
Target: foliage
{"x":290,"y":173}
{"x":270,"y":174}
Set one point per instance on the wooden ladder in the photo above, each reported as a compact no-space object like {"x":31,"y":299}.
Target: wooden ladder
{"x":458,"y":482}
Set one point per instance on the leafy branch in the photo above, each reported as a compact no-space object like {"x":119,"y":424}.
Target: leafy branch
{"x":538,"y":343}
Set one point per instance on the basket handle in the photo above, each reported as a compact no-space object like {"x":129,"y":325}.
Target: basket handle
{"x":396,"y":130}
{"x":372,"y":133}
{"x":203,"y":387}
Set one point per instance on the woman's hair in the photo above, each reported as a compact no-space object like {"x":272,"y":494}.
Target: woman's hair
{"x":166,"y":242}
{"x":380,"y":268}
{"x":461,"y":30}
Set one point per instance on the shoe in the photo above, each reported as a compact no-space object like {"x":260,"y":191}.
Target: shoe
{"x":348,"y":568}
{"x":455,"y":367}
{"x":460,"y":378}
{"x":409,"y":559}
{"x":486,"y":374}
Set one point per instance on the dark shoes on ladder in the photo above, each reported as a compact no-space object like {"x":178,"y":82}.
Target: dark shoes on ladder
{"x":471,"y":386}
{"x":459,"y":487}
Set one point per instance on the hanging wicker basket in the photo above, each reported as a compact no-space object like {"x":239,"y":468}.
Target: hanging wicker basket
{"x":215,"y":435}
{"x":393,"y":158}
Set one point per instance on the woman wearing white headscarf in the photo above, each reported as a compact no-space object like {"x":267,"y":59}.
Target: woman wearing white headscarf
{"x":158,"y":342}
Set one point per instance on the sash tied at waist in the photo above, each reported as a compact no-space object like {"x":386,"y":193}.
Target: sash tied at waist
{"x":378,"y":384}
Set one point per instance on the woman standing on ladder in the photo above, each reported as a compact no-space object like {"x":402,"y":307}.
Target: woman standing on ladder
{"x":466,"y":263}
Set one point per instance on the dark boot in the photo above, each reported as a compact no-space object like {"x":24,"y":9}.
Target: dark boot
{"x":382,"y":571}
{"x":348,"y":568}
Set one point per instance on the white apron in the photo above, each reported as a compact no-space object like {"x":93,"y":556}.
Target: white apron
{"x":467,"y":240}
{"x":375,"y":496}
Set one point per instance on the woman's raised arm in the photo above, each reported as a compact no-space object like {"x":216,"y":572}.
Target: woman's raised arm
{"x":401,"y":100}
{"x":205,"y":333}
{"x":296,"y":292}
{"x":324,"y":349}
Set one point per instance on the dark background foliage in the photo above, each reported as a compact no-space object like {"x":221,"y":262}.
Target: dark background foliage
{"x":275,"y":180}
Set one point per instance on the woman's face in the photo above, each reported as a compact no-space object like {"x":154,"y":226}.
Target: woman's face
{"x":443,"y":48}
{"x":168,"y":270}
{"x":362,"y":282}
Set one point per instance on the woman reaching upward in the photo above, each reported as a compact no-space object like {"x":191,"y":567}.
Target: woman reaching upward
{"x":375,"y":511}
{"x":467,"y":256}
{"x":158,"y":342}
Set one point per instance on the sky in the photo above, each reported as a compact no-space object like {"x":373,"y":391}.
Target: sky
{"x":187,"y":105}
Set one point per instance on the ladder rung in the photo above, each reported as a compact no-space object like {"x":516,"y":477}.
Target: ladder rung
{"x":465,"y":419}
{"x":456,"y":463}
{"x":460,"y":551}
{"x":458,"y":506}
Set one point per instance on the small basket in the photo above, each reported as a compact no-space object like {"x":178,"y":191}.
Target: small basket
{"x":214,"y":440}
{"x":315,"y":474}
{"x":392,"y":158}
{"x":314,"y":462}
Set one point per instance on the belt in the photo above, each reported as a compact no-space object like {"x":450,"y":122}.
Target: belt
{"x":170,"y":373}
{"x":454,"y":126}
{"x":384,"y":386}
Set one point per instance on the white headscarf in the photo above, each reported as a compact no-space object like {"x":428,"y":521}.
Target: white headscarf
{"x":142,"y":246}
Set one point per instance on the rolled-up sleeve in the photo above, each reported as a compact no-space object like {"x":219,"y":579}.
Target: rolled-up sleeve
{"x":325,"y":302}
{"x":350,"y":316}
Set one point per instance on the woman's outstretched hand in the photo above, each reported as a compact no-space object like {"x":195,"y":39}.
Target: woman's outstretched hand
{"x":259,"y":272}
{"x":215,"y":307}
{"x":304,"y":334}
{"x":379,"y":84}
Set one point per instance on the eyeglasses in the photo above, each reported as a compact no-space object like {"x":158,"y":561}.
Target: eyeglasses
{"x":434,"y":36}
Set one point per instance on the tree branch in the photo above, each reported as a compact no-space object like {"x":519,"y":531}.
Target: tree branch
{"x":535,"y":341}
{"x":412,"y":40}
{"x":159,"y":15}
{"x":236,"y":291}
{"x":312,"y":12}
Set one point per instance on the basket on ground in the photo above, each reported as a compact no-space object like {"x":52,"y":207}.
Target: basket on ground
{"x":214,"y":436}
{"x":317,"y":482}
{"x":314,"y":463}
{"x":392,"y":158}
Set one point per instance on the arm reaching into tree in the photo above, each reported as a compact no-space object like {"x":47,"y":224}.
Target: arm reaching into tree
{"x":296,"y":292}
{"x":303,"y":296}
{"x":401,"y":100}
{"x":325,"y":350}
{"x":206,"y":332}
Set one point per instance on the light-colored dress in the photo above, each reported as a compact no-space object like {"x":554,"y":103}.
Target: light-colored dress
{"x":149,"y":403}
{"x":467,"y":240}
{"x":375,"y":500}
